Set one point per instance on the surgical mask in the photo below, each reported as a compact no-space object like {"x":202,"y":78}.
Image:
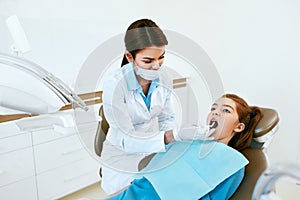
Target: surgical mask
{"x":147,"y":74}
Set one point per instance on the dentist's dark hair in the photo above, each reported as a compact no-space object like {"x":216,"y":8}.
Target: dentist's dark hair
{"x":141,"y":34}
{"x":250,"y":116}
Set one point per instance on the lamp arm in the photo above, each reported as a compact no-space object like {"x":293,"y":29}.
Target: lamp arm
{"x":65,"y":94}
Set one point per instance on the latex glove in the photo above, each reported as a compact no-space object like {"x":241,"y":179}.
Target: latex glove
{"x":194,"y":132}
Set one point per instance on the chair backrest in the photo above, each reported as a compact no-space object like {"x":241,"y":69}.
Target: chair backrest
{"x":101,"y":133}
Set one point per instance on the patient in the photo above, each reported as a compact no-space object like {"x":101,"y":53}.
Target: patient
{"x":203,"y":169}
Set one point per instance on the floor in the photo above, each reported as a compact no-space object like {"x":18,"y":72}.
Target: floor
{"x":287,"y":190}
{"x":284,"y":190}
{"x":92,"y":192}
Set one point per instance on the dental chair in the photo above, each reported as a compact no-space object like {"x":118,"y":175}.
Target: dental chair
{"x":256,"y":155}
{"x":102,"y":130}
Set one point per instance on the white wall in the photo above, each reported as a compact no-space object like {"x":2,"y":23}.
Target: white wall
{"x":254,"y":44}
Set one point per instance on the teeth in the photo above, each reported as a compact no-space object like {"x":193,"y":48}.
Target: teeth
{"x":213,"y":124}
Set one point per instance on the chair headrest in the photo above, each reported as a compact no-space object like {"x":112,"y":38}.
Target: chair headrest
{"x":269,"y":120}
{"x":265,"y":130}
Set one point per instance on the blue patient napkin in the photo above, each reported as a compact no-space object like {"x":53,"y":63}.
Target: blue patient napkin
{"x":193,"y":167}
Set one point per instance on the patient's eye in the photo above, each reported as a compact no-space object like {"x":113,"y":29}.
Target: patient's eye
{"x":226,"y":110}
{"x":212,"y":109}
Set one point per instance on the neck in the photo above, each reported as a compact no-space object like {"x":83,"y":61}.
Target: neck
{"x":145,"y":84}
{"x":225,"y":140}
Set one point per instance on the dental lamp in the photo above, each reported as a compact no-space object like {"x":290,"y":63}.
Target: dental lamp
{"x":58,"y":87}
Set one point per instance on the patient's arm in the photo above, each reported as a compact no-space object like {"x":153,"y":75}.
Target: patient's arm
{"x":227,"y":188}
{"x":138,"y":189}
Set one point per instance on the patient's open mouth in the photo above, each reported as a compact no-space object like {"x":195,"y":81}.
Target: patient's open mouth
{"x":213,"y":124}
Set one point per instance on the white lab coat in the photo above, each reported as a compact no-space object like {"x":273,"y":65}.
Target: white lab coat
{"x":134,"y":131}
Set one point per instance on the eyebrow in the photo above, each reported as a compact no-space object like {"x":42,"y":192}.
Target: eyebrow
{"x":148,"y":58}
{"x":226,"y":105}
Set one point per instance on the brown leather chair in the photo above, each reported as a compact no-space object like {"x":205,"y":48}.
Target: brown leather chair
{"x":102,"y":130}
{"x":258,"y":161}
{"x":100,"y":136}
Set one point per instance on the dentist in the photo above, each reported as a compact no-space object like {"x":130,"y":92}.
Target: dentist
{"x":137,"y":105}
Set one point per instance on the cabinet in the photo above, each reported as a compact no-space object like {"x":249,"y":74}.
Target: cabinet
{"x":21,"y":189}
{"x":16,"y":164}
{"x":47,"y":161}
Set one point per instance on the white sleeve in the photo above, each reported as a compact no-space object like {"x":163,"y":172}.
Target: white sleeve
{"x":166,"y":118}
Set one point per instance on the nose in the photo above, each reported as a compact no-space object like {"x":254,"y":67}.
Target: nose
{"x":215,"y":112}
{"x":156,"y":65}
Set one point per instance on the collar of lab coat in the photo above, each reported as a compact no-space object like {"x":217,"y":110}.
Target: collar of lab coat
{"x":132,"y":82}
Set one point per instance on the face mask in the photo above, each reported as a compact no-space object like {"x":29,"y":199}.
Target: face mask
{"x":147,"y":74}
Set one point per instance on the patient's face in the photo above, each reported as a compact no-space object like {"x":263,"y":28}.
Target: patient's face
{"x":223,"y":111}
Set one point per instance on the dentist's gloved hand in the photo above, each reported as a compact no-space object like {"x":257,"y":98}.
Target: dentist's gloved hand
{"x":194,"y":132}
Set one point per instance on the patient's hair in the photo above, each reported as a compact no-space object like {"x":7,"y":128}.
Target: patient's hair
{"x":250,"y":116}
{"x":141,"y":34}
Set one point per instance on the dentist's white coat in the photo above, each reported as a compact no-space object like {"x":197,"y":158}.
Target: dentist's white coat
{"x":134,"y":131}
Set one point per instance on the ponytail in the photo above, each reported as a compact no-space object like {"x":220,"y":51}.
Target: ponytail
{"x":242,"y":140}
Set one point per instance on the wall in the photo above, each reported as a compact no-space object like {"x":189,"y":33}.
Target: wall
{"x":254,"y":45}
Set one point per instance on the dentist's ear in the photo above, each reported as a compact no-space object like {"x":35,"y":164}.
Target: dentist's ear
{"x":128,"y":56}
{"x":239,"y":128}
